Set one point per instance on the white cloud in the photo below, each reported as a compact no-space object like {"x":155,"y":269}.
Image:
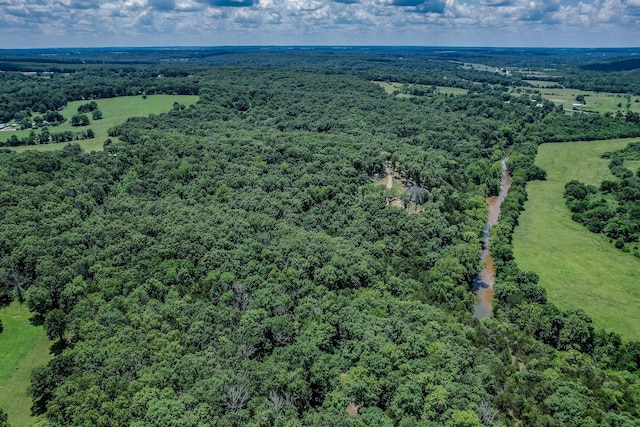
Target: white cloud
{"x":471,"y":22}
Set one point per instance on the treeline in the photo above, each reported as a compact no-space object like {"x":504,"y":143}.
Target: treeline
{"x":45,"y":136}
{"x":585,"y":126}
{"x":601,"y":81}
{"x":233,"y":263}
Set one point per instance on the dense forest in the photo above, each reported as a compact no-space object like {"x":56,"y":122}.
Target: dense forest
{"x":235,"y":263}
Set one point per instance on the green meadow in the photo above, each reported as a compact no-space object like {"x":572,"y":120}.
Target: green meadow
{"x":452,"y":90}
{"x":396,"y":86}
{"x":478,"y":67}
{"x":23,"y":347}
{"x":579,"y":269}
{"x":115,"y":111}
{"x":601,"y":102}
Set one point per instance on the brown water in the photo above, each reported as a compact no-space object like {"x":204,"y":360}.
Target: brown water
{"x":483,"y":283}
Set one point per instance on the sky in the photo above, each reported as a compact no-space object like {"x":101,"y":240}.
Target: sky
{"x":509,"y":23}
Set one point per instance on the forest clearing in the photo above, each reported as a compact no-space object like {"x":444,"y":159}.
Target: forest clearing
{"x":115,"y":112}
{"x":602,"y":102}
{"x":29,"y":349}
{"x":400,"y":88}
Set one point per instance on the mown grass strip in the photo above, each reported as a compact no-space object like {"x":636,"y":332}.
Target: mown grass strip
{"x":23,"y":347}
{"x":578,"y":268}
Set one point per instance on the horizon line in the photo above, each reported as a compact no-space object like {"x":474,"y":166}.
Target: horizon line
{"x":311,"y":46}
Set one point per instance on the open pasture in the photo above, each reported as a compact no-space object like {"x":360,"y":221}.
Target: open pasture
{"x":23,"y":348}
{"x":579,"y":269}
{"x":601,"y":102}
{"x":115,"y":111}
{"x":452,"y":90}
{"x":478,"y":67}
{"x":392,"y":87}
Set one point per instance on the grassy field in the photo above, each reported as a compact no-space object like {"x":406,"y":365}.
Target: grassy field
{"x":633,"y":165}
{"x":453,"y":90}
{"x":88,"y":145}
{"x":578,"y":268}
{"x":115,"y":111}
{"x":601,"y":102}
{"x":393,"y":86}
{"x":478,"y":67}
{"x":23,"y":347}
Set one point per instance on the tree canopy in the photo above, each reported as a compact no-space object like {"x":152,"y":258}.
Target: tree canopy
{"x":235,"y":263}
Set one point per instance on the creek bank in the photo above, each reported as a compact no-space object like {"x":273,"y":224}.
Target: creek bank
{"x":483,"y":283}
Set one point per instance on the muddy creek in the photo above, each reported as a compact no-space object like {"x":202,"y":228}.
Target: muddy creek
{"x":483,"y":283}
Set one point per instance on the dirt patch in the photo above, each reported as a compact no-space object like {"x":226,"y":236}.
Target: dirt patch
{"x":352,"y":409}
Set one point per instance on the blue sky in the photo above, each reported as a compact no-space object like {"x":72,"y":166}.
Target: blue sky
{"x":75,"y":23}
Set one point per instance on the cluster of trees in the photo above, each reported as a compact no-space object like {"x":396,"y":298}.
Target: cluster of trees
{"x":586,"y":126}
{"x":45,"y":137}
{"x":233,"y":263}
{"x":79,"y":120}
{"x":88,"y":107}
{"x":599,"y":81}
{"x":614,"y":208}
{"x":49,"y":118}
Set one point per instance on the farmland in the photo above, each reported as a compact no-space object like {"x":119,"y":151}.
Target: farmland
{"x":400,"y":88}
{"x":115,"y":111}
{"x":601,"y":102}
{"x":579,"y":269}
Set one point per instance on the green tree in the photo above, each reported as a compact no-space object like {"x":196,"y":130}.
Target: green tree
{"x":359,"y":386}
{"x":4,"y":419}
{"x":88,"y":107}
{"x":55,"y":324}
{"x":465,"y":419}
{"x":577,"y":332}
{"x":408,"y":400}
{"x":39,"y":300}
{"x":79,"y":120}
{"x":570,"y":407}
